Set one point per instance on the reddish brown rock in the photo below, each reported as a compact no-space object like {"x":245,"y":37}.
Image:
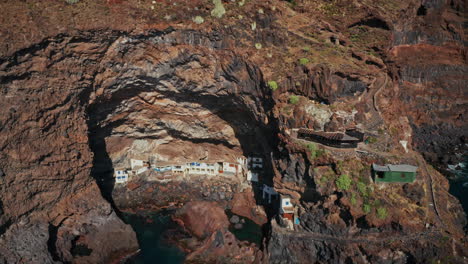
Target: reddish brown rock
{"x":202,"y":218}
{"x":244,"y":204}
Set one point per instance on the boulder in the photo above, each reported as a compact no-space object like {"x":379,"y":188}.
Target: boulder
{"x":202,"y":218}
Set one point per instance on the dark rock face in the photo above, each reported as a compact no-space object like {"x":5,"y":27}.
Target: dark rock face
{"x":432,"y":78}
{"x":322,"y":84}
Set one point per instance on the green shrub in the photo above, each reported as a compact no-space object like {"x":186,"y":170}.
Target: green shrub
{"x":366,"y":208}
{"x":258,"y":45}
{"x":315,"y":151}
{"x":72,"y":1}
{"x":273,"y":85}
{"x":371,"y":140}
{"x":294,"y":99}
{"x":362,"y":188}
{"x":382,"y":212}
{"x":343,"y":182}
{"x":323,"y":180}
{"x":306,"y":48}
{"x":198,"y":20}
{"x":353,"y":199}
{"x":219,"y":10}
{"x":303,"y":61}
{"x":312,"y":147}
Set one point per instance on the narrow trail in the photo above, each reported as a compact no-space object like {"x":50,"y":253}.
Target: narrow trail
{"x":371,"y":238}
{"x":431,"y":201}
{"x":376,"y":118}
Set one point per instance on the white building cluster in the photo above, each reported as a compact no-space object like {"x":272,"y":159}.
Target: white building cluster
{"x":249,"y":168}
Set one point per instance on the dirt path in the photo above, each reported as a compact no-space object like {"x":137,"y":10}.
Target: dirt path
{"x":371,"y":238}
{"x":431,"y":199}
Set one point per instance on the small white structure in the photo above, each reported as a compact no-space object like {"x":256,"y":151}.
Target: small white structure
{"x":163,"y":168}
{"x":257,"y":166}
{"x":178,"y":168}
{"x":286,"y":206}
{"x":228,"y":168}
{"x":121,"y":176}
{"x":242,"y":161}
{"x":252,"y":176}
{"x":141,"y":170}
{"x":200,"y":168}
{"x":134,"y":163}
{"x":404,"y":144}
{"x":268,"y":191}
{"x":255,"y":162}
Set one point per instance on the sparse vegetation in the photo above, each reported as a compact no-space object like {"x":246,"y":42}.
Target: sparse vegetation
{"x":303,"y":61}
{"x":371,"y":140}
{"x":306,"y":48}
{"x":366,"y":208}
{"x":72,"y":1}
{"x":343,"y":182}
{"x":273,"y":85}
{"x":218,"y":10}
{"x":362,"y":188}
{"x":315,"y":151}
{"x":294,"y":99}
{"x":353,"y":199}
{"x":382,"y":212}
{"x":198,"y":20}
{"x":331,"y":9}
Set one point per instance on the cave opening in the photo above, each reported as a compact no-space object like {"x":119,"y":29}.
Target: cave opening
{"x":372,"y":22}
{"x":422,"y":11}
{"x":252,"y":137}
{"x":109,"y":142}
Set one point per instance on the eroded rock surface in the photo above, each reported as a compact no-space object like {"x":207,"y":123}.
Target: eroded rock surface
{"x":78,"y":104}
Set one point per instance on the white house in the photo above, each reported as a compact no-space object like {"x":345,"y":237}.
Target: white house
{"x":178,"y":168}
{"x":287,"y":207}
{"x":252,"y":176}
{"x":257,"y":166}
{"x":256,"y":160}
{"x":200,"y":168}
{"x":268,"y":191}
{"x":121,"y":176}
{"x":229,"y":168}
{"x":163,"y":168}
{"x":242,"y":161}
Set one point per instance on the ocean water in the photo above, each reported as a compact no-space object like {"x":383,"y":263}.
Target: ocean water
{"x":150,"y":229}
{"x":459,"y":183}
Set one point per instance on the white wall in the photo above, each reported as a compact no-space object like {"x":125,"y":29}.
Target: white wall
{"x":134,"y":163}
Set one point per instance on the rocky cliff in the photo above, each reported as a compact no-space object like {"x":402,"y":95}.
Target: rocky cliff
{"x":86,"y":86}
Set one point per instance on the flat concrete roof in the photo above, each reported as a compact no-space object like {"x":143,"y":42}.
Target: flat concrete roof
{"x":390,"y":167}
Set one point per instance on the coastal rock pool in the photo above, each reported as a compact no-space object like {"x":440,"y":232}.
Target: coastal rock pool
{"x":150,"y":229}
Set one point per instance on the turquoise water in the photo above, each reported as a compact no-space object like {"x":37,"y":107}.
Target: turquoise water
{"x":150,"y":237}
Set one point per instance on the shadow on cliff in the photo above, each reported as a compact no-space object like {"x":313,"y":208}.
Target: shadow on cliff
{"x":255,"y":137}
